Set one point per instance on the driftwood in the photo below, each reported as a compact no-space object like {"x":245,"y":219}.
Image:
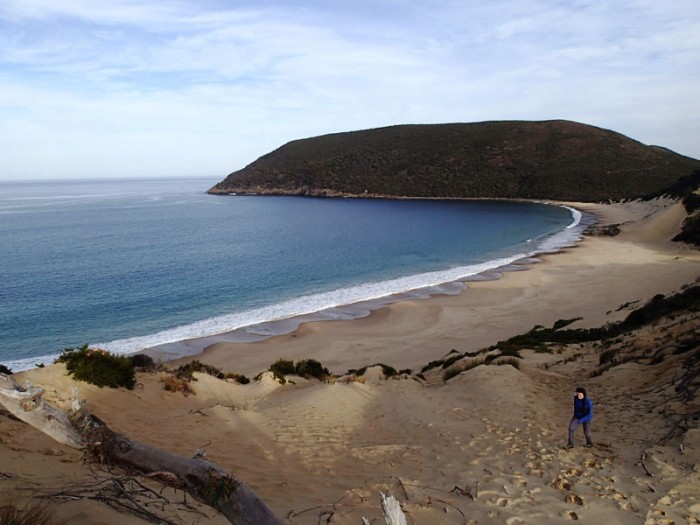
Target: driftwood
{"x":79,"y":429}
{"x":392,"y":510}
{"x":393,"y":514}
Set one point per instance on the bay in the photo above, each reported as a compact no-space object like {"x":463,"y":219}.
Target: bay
{"x":129,"y":264}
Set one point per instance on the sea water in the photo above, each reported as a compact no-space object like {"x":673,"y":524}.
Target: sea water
{"x":133,"y":264}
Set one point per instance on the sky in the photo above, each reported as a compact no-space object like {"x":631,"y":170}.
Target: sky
{"x":165,"y":88}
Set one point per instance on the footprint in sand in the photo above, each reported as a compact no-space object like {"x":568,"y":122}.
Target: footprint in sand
{"x":574,"y":499}
{"x":561,"y":484}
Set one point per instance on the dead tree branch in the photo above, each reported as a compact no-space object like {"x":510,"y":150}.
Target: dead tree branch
{"x":205,"y":481}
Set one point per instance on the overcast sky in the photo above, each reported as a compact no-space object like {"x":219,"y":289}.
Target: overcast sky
{"x":138,"y":88}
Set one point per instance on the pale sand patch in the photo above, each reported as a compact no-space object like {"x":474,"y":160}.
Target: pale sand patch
{"x":494,"y":433}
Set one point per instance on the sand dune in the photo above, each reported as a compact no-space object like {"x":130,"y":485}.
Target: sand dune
{"x":483,"y":447}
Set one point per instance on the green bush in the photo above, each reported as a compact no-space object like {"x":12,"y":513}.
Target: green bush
{"x":143,"y":361}
{"x":357,"y":371}
{"x":561,"y":323}
{"x":282,"y":368}
{"x":238,"y":378}
{"x":389,"y":371}
{"x":185,"y":371}
{"x":690,"y":231}
{"x":311,"y":368}
{"x":451,"y":360}
{"x":306,"y":368}
{"x":432,"y":364}
{"x":510,"y":352}
{"x":98,"y":367}
{"x":691,"y":202}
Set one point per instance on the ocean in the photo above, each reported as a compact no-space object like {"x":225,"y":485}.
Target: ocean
{"x":133,"y":264}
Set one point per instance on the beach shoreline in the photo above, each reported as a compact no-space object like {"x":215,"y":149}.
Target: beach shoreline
{"x":569,"y":237}
{"x":618,"y":269}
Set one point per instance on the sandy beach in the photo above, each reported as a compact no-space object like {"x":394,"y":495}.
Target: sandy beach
{"x":590,"y":281}
{"x":483,"y":447}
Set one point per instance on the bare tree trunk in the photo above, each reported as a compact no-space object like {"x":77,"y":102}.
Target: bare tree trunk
{"x":205,"y":481}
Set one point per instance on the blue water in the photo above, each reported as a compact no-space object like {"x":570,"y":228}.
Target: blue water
{"x":131,"y":264}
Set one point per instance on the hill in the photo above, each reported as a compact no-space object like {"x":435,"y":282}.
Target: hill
{"x":556,"y":159}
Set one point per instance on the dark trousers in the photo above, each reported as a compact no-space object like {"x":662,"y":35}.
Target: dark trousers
{"x":586,"y":430}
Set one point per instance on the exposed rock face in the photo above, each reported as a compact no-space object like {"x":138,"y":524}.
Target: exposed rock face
{"x":510,"y":159}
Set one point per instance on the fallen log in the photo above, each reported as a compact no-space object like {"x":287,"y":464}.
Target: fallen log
{"x":79,"y":429}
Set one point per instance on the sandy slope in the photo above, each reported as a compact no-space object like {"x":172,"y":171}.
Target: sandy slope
{"x":483,"y":447}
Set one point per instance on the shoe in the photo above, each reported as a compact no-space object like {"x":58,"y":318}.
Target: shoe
{"x":568,"y":446}
{"x":588,"y":445}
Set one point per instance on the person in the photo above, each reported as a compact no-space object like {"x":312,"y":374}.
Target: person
{"x":583,"y":415}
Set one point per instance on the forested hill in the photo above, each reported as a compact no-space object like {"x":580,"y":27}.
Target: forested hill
{"x":507,"y":159}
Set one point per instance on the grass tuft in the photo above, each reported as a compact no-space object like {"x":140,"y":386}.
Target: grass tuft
{"x":173,"y":383}
{"x":30,"y":512}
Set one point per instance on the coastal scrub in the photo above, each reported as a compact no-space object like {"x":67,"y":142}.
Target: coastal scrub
{"x":98,"y":367}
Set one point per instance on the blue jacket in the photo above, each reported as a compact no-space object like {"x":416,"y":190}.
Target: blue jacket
{"x":583,"y":409}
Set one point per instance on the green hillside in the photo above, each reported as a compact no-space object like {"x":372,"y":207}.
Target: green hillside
{"x":508,"y":159}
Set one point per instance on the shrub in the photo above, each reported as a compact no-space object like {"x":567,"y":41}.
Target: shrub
{"x":98,"y":367}
{"x":218,"y":488}
{"x":143,"y":361}
{"x":389,"y":371}
{"x":690,"y":231}
{"x":510,"y":352}
{"x":5,"y":370}
{"x":561,"y":323}
{"x":311,"y":368}
{"x":432,"y":364}
{"x":357,"y":372}
{"x":450,"y":361}
{"x":544,"y":349}
{"x":681,"y":188}
{"x":172,"y":383}
{"x":185,"y":371}
{"x":691,"y":202}
{"x":281,"y":368}
{"x":238,"y":378}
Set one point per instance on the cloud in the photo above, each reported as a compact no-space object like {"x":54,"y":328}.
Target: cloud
{"x":166,"y":88}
